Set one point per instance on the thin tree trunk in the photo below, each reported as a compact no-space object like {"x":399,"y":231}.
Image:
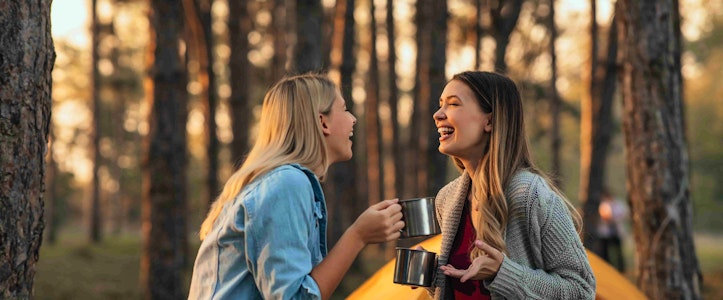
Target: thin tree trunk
{"x":239,"y":27}
{"x":416,"y":162}
{"x":26,"y":61}
{"x":397,"y":146}
{"x":118,"y":116}
{"x":504,"y":19}
{"x":206,"y":44}
{"x":656,"y":149}
{"x":600,"y":125}
{"x":213,"y":143}
{"x":371,"y":114}
{"x":554,"y":99}
{"x":165,"y":161}
{"x":308,"y":48}
{"x":95,"y":225}
{"x":590,"y":209}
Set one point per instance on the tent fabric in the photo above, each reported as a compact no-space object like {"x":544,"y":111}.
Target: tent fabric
{"x":610,"y":283}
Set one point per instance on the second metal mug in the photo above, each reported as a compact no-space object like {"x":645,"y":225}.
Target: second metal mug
{"x":415,"y":267}
{"x":419,"y":217}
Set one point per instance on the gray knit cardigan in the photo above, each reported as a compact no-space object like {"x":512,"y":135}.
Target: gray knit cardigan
{"x":545,"y":259}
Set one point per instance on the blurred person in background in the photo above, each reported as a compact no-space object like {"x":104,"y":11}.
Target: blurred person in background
{"x":610,"y":229}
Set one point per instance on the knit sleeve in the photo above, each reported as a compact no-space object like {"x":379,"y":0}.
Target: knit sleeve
{"x":565,"y":271}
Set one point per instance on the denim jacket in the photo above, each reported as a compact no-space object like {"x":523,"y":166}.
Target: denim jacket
{"x":266,"y":241}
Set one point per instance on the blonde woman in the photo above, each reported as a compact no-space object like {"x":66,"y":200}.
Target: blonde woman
{"x":507,"y":231}
{"x":265,"y":235}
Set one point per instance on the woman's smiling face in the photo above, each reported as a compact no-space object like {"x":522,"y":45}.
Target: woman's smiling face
{"x":338,"y":127}
{"x":463,"y":127}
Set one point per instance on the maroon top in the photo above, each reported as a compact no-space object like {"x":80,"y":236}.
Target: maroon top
{"x":459,"y":258}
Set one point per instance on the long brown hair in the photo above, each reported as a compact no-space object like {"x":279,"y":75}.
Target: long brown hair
{"x":506,"y":154}
{"x":289,"y":132}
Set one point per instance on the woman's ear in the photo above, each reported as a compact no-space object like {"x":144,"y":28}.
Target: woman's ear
{"x":488,"y":126}
{"x":324,"y":120}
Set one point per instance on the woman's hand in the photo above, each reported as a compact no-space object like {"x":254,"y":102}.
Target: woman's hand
{"x":482,"y":268}
{"x":379,"y":223}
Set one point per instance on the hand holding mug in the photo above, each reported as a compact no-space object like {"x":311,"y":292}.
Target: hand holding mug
{"x":381,"y":222}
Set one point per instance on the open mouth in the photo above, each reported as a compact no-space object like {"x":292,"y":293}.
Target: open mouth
{"x":445,"y":131}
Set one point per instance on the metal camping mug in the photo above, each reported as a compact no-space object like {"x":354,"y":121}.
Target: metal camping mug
{"x":419,"y":217}
{"x":415,"y":267}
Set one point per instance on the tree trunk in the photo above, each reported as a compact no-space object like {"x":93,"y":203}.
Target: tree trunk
{"x":205,"y":42}
{"x":308,"y":48}
{"x":26,"y":61}
{"x":437,"y":166}
{"x":239,"y":28}
{"x":397,"y":146}
{"x":341,"y":186}
{"x":117,"y":116}
{"x":504,"y":19}
{"x":598,"y":124}
{"x":656,"y":149}
{"x":590,"y":209}
{"x":95,"y":225}
{"x":554,"y":98}
{"x":371,"y":115}
{"x":417,"y":143}
{"x":164,"y":166}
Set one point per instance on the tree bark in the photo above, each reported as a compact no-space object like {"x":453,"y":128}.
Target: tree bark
{"x":26,"y":61}
{"x":657,"y":155}
{"x":308,"y":48}
{"x":239,"y":28}
{"x":165,"y":161}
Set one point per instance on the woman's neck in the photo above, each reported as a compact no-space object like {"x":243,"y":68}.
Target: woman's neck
{"x":470,"y":167}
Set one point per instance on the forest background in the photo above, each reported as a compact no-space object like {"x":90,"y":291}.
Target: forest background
{"x":100,"y":115}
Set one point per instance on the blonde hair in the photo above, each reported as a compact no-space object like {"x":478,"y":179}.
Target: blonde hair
{"x":505,"y":154}
{"x":289,"y":132}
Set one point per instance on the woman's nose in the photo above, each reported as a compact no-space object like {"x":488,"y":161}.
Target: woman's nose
{"x":439,"y":114}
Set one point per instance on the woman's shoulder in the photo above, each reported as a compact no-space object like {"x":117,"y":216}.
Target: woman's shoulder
{"x":528,"y":186}
{"x":292,"y":173}
{"x":284,"y":178}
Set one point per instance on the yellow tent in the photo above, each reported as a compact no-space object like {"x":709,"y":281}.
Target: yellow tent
{"x":610,"y":283}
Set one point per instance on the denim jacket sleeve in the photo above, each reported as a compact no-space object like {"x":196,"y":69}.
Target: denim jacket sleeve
{"x":281,"y":233}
